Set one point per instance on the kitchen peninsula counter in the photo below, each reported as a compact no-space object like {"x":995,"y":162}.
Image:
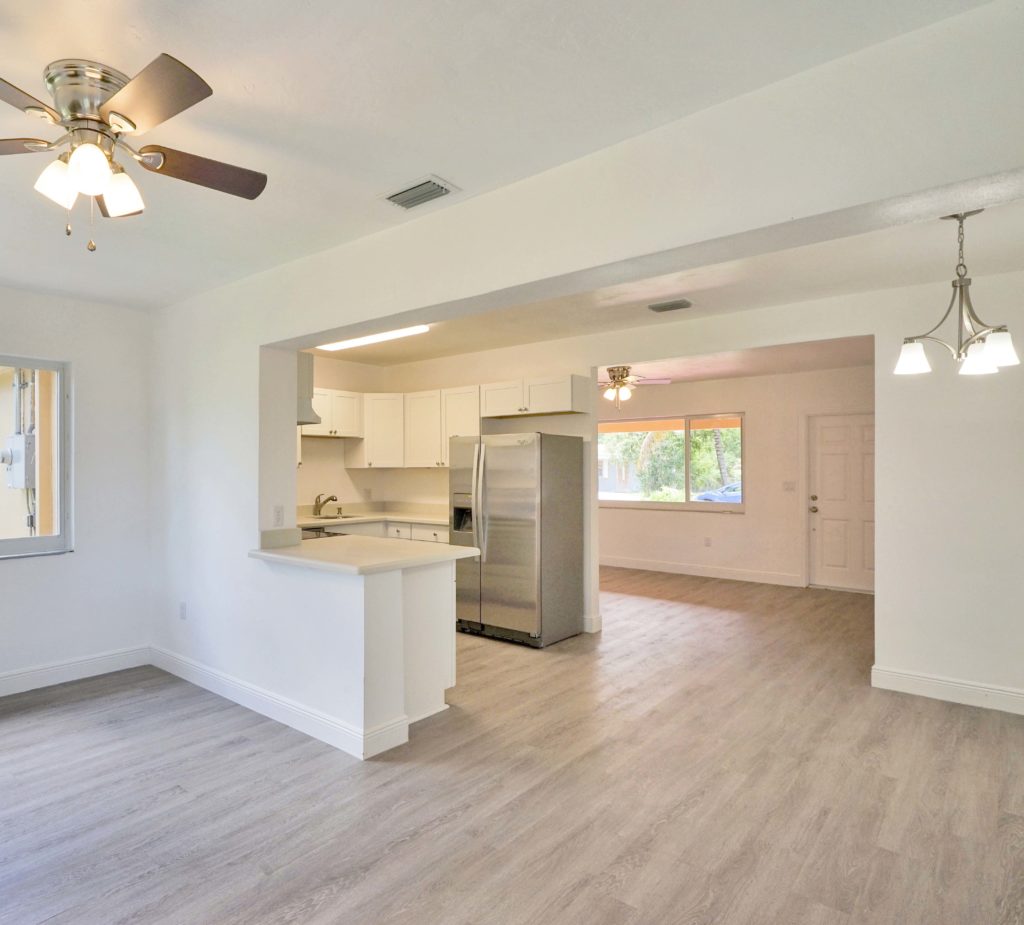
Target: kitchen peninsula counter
{"x":375,"y":618}
{"x":363,"y":555}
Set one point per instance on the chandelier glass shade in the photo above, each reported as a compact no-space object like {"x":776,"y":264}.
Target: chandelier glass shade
{"x":980,"y":349}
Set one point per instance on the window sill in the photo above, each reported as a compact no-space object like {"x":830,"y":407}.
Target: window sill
{"x":710,"y":507}
{"x":35,"y":554}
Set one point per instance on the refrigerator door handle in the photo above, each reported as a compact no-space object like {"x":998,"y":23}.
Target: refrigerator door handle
{"x":480,"y":500}
{"x":473,"y":496}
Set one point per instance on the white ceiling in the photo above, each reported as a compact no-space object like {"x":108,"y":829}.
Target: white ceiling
{"x":343,"y":102}
{"x":900,"y":256}
{"x":760,"y":361}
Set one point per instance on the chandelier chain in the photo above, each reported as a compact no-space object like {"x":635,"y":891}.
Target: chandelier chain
{"x":961,"y":267}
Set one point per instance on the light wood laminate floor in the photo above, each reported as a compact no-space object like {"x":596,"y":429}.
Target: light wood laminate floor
{"x":715,"y":756}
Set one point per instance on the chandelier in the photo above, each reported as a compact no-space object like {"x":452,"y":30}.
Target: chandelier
{"x":980,"y":348}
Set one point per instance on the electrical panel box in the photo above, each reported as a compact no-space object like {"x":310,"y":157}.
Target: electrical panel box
{"x":20,"y":461}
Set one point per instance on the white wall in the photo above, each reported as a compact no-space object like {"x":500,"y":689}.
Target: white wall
{"x":767,"y":541}
{"x":96,"y":600}
{"x":606,"y":219}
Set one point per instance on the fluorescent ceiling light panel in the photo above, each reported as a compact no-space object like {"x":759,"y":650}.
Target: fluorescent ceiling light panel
{"x":376,"y":338}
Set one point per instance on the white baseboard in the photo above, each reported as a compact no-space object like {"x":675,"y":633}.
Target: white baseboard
{"x":72,"y":669}
{"x":319,"y":725}
{"x":954,"y":690}
{"x":706,"y":571}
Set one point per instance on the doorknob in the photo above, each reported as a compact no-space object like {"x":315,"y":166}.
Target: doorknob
{"x":813,"y":509}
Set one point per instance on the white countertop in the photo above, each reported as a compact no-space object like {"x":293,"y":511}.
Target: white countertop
{"x":308,"y":520}
{"x":363,"y":555}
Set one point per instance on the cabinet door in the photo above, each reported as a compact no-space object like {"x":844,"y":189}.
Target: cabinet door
{"x":548,"y":396}
{"x":347,"y":414}
{"x":322,"y":406}
{"x":376,"y":528}
{"x":460,"y":416}
{"x":383,"y":429}
{"x":501,"y":398}
{"x":423,"y":429}
{"x":429,"y":534}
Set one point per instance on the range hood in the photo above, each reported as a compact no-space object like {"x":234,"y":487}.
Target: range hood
{"x":306,"y":414}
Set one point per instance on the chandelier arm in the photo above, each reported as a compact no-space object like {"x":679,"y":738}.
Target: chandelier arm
{"x":935,"y":340}
{"x":973,"y":315}
{"x":928,"y":334}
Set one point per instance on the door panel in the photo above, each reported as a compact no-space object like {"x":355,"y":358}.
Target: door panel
{"x":510,"y":511}
{"x":842,"y":539}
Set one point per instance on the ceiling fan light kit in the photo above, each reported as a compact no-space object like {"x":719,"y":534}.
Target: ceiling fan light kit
{"x":97,"y":106}
{"x":980,"y":349}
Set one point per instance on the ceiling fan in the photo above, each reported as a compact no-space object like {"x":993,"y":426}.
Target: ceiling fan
{"x":620,"y":384}
{"x":98,"y":107}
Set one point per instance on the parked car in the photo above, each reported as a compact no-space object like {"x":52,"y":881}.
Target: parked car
{"x":729,"y":494}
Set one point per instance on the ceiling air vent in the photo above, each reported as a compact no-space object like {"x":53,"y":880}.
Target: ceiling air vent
{"x":672,"y":306}
{"x":431,"y":188}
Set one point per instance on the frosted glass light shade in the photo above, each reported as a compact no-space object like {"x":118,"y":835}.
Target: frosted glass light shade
{"x":977,"y":363}
{"x":89,"y":169}
{"x":625,"y":392}
{"x":913,"y":361}
{"x":609,"y":393}
{"x":56,"y":185}
{"x":999,"y":349}
{"x":122,"y":196}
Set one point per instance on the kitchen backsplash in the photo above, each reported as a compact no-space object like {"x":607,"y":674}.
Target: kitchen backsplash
{"x":323,"y":471}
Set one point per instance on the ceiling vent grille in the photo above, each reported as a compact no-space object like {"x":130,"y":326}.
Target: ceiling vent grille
{"x":430,"y":189}
{"x":672,"y":306}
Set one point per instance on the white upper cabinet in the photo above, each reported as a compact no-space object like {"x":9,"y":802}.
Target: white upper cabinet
{"x":543,"y":395}
{"x":498,"y":399}
{"x":341,"y":414}
{"x":423,"y":429}
{"x":460,"y":415}
{"x":322,"y":406}
{"x":383,"y":443}
{"x":432,"y":418}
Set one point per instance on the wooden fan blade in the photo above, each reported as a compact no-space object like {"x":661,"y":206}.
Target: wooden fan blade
{"x":19,"y":99}
{"x":17,"y":145}
{"x":162,"y":89}
{"x":201,"y":170}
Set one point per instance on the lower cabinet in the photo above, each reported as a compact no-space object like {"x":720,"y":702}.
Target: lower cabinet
{"x":371,"y":529}
{"x":428,"y":534}
{"x":397,"y":531}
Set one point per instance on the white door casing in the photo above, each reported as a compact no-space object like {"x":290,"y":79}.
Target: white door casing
{"x":841,"y":503}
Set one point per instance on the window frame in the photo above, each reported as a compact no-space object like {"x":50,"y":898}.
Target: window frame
{"x":713,"y":507}
{"x":62,"y":541}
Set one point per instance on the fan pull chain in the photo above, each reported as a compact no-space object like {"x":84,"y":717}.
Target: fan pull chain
{"x":91,"y":246}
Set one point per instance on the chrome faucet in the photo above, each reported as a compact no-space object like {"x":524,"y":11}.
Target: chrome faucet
{"x":318,"y":505}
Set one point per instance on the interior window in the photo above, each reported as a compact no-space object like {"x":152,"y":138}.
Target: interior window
{"x":32,"y":515}
{"x":688,"y":462}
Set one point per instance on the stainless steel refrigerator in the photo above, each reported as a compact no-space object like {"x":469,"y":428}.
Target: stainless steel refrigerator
{"x":519,"y":499}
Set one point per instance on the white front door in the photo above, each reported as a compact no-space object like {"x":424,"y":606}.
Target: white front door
{"x":842,"y":501}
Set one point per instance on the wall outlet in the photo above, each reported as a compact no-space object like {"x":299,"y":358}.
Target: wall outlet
{"x":182,"y":610}
{"x":789,"y":486}
{"x":278,"y":515}
{"x":707,"y":541}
